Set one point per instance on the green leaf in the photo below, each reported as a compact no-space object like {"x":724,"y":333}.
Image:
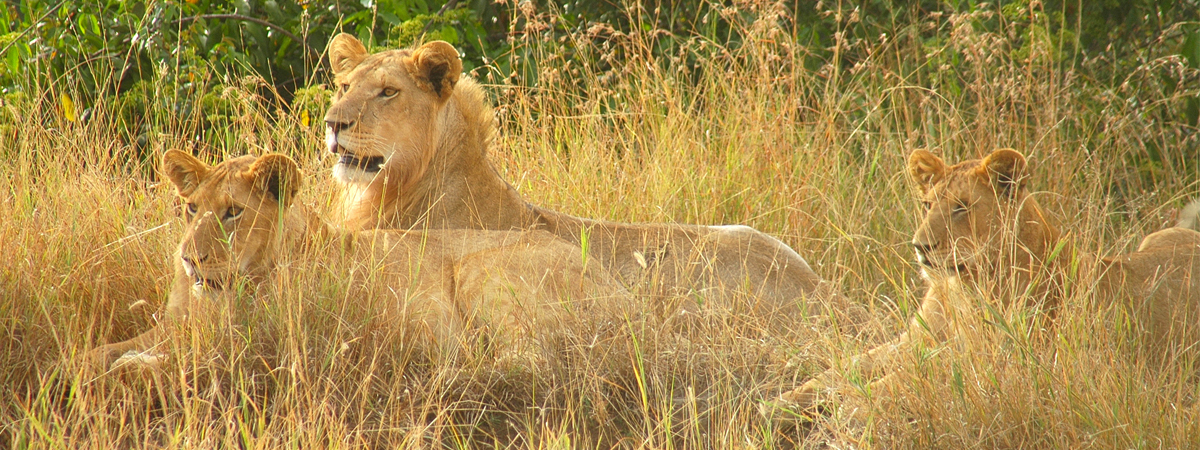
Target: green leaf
{"x":352,"y":19}
{"x":390,"y":18}
{"x":448,"y":34}
{"x":1191,"y":47}
{"x":13,"y":58}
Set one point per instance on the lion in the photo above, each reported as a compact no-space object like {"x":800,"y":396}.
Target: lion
{"x":242,"y":223}
{"x":984,"y":236}
{"x":411,"y":134}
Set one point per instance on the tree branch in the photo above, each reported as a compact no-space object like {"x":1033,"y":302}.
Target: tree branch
{"x":315,"y":54}
{"x":441,"y":12}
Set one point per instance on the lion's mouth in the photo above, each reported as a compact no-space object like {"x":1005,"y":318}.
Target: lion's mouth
{"x":942,"y":264}
{"x":928,"y":263}
{"x":208,"y":284}
{"x":370,"y":164}
{"x":199,"y":281}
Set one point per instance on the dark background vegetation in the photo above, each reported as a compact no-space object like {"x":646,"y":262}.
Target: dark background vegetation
{"x":792,"y":117}
{"x":143,"y":61}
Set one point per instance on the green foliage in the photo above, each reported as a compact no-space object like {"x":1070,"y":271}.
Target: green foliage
{"x":92,"y":49}
{"x":148,"y":60}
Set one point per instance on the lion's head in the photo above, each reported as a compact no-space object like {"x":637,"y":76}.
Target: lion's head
{"x":978,"y":214}
{"x":234,"y":213}
{"x":384,"y":111}
{"x":400,"y":122}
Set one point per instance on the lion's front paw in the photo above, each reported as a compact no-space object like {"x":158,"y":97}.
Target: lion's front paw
{"x":122,"y":355}
{"x":802,"y":401}
{"x":100,"y":358}
{"x":805,"y":397}
{"x":139,"y":360}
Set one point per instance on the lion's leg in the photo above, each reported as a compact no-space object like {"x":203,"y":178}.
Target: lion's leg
{"x":878,"y":361}
{"x":103,"y":356}
{"x":176,"y":308}
{"x":870,"y":365}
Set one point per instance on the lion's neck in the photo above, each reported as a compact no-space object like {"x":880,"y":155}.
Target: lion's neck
{"x":1031,"y":264}
{"x":302,"y":228}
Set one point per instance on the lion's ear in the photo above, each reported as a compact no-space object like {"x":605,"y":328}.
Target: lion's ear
{"x":925,"y":169}
{"x":277,"y":176}
{"x":184,"y":170}
{"x":437,"y":64}
{"x":1006,"y":168}
{"x":345,"y":53}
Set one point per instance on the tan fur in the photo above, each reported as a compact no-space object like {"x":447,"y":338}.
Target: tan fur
{"x":437,"y":175}
{"x":984,"y":236}
{"x":439,"y":284}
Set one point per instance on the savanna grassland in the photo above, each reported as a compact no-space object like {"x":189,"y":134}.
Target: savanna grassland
{"x":744,"y":126}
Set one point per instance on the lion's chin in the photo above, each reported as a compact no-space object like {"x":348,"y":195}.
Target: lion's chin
{"x":352,"y":175}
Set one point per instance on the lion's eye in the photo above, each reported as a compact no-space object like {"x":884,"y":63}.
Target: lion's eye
{"x":927,"y":205}
{"x":959,"y":207}
{"x":190,"y":208}
{"x":388,"y":92}
{"x":233,"y":212}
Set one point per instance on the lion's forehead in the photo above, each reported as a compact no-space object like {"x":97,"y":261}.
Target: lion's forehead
{"x":961,"y":182}
{"x":223,"y":179}
{"x":225,"y":169}
{"x":379,"y":69}
{"x":225,"y":184}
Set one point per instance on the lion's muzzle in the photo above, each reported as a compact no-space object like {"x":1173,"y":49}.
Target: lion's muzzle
{"x":922,"y":253}
{"x":346,"y":157}
{"x":331,"y":139}
{"x":199,"y":281}
{"x":370,"y":164}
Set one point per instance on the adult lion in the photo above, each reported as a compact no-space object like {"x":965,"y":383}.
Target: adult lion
{"x":241,"y":223}
{"x":412,"y":135}
{"x":983,"y":235}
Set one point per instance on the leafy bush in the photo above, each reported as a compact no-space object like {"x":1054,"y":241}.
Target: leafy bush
{"x":145,"y":61}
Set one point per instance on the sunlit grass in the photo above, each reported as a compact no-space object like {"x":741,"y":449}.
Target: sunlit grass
{"x":752,"y":136}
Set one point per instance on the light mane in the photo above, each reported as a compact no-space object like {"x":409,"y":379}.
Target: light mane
{"x":470,"y":100}
{"x":466,"y":130}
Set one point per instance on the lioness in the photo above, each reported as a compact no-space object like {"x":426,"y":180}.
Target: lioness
{"x":240,"y":221}
{"x":412,"y":134}
{"x":983,"y":235}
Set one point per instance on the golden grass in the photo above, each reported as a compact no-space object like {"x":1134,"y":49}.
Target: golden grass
{"x":813,"y":156}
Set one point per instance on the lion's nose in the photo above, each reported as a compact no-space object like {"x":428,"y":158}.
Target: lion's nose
{"x":189,"y":266}
{"x":191,"y":262}
{"x":336,"y":126}
{"x":332,"y":128}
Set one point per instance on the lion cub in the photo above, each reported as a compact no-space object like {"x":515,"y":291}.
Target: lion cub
{"x":983,"y":233}
{"x":241,"y":224}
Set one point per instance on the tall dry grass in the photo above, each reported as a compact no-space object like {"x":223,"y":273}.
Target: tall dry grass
{"x":754,"y":134}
